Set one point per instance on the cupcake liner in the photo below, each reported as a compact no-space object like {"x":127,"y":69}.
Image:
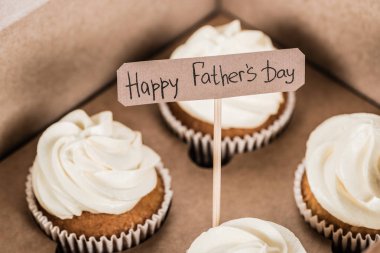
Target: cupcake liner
{"x":201,"y":145}
{"x":344,"y":241}
{"x":70,"y":242}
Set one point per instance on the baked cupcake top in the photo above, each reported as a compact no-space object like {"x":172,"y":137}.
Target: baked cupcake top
{"x":238,"y":112}
{"x":91,"y":164}
{"x":247,"y":235}
{"x":343,"y":168}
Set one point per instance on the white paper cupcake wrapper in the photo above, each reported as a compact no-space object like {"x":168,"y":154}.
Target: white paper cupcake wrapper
{"x":345,"y":241}
{"x":74,"y":243}
{"x":201,"y":144}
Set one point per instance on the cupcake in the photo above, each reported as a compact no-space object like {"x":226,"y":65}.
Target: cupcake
{"x":337,"y":187}
{"x":247,"y":235}
{"x":248,"y":122}
{"x":94,"y":187}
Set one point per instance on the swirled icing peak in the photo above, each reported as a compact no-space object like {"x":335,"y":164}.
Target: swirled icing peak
{"x":343,"y":168}
{"x":247,"y":235}
{"x":238,"y":112}
{"x":91,"y":164}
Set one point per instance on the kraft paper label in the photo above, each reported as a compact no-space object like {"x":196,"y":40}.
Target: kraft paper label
{"x":210,"y":77}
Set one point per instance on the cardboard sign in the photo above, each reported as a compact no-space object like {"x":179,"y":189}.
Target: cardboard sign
{"x":222,"y":76}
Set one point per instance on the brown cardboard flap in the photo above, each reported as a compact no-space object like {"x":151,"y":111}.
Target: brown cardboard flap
{"x":342,"y":37}
{"x":64,"y":51}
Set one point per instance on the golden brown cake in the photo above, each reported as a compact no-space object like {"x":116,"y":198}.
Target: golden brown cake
{"x":199,"y":125}
{"x":242,"y":115}
{"x":94,"y":179}
{"x":337,"y":186}
{"x":102,"y":224}
{"x":247,"y":122}
{"x":322,"y":214}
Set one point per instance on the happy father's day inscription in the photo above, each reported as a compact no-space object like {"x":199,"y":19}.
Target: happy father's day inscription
{"x":210,"y":77}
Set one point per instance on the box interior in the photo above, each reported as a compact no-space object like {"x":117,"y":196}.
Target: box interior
{"x":55,"y":55}
{"x":256,"y":184}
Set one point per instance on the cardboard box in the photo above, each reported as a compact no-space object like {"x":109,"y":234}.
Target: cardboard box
{"x":340,"y":37}
{"x":56,"y":54}
{"x":43,"y":83}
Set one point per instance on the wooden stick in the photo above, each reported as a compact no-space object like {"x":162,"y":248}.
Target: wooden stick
{"x":217,"y":163}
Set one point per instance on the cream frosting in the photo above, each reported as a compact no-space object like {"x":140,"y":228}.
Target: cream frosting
{"x":238,"y":112}
{"x":247,"y":235}
{"x":92,"y":164}
{"x":343,"y":168}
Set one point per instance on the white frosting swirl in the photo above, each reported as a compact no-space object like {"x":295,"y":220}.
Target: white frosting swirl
{"x":91,"y":164}
{"x":343,"y":168}
{"x":238,"y":112}
{"x":247,"y":235}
